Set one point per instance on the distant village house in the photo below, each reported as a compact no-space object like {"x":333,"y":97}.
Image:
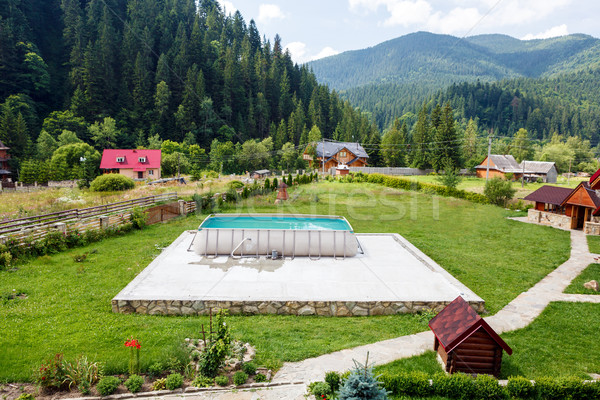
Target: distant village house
{"x":135,"y":164}
{"x":5,"y":174}
{"x":336,"y":153}
{"x":501,"y":165}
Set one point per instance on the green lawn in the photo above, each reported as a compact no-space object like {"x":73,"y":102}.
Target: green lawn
{"x":594,"y":244}
{"x":68,"y":310}
{"x":592,"y":272}
{"x":560,"y":342}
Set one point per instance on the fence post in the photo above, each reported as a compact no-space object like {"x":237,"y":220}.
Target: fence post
{"x":3,"y":239}
{"x":182,"y":208}
{"x":61,"y":227}
{"x":103,"y":221}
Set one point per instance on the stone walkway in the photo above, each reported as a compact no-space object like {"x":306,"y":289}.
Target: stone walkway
{"x":293,"y":377}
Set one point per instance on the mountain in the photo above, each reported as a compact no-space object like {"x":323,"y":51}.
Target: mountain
{"x":434,"y":61}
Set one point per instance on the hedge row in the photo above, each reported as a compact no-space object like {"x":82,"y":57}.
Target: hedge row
{"x":407,"y":184}
{"x":461,"y":386}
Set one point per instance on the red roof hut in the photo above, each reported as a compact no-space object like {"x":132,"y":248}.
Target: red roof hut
{"x":465,"y":342}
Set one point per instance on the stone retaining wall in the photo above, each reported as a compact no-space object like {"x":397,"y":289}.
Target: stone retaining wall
{"x":591,"y":228}
{"x":322,"y":308}
{"x":547,"y":218}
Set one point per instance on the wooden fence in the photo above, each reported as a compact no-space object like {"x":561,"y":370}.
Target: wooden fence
{"x":92,"y":218}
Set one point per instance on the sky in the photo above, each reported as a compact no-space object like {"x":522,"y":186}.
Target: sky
{"x":313,"y":29}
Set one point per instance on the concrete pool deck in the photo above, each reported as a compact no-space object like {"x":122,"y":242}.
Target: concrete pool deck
{"x":391,"y":277}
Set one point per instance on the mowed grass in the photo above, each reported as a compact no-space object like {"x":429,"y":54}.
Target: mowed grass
{"x":562,"y":341}
{"x":68,"y":308}
{"x":592,"y":272}
{"x":594,"y":244}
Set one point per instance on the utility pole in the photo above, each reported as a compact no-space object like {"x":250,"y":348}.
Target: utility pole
{"x":569,"y":174}
{"x":523,"y":173}
{"x":487,"y":170}
{"x":323,"y":156}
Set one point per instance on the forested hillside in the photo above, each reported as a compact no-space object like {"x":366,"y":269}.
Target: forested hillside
{"x":123,"y":74}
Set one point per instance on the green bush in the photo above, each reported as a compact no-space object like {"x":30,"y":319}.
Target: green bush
{"x":235,"y":185}
{"x":108,"y":385}
{"x":319,"y":389}
{"x":260,"y":377}
{"x":5,"y":260}
{"x":174,"y":381}
{"x":155,"y":370}
{"x":52,"y":373}
{"x":239,"y":378}
{"x":520,"y":387}
{"x":412,"y":383}
{"x":26,"y":396}
{"x":82,"y":373}
{"x":138,"y":218}
{"x":202,"y":381}
{"x":456,"y":386}
{"x":222,"y":380}
{"x":249,"y":368}
{"x":55,"y":242}
{"x":134,"y":383}
{"x":111,"y":183}
{"x":486,"y":387}
{"x":334,"y":380}
{"x":159,"y":384}
{"x":499,"y":191}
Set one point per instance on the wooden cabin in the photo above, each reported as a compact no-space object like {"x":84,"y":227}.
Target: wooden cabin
{"x":331,"y":154}
{"x":581,"y":204}
{"x":549,"y":198}
{"x":465,"y":342}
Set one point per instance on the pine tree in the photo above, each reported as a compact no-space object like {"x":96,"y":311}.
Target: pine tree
{"x":420,"y":157}
{"x":362,"y":384}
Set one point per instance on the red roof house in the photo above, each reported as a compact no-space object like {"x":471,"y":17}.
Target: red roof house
{"x":4,"y":157}
{"x":465,"y":342}
{"x":135,"y":164}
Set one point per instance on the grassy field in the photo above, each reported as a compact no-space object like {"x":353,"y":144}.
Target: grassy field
{"x":594,"y":244}
{"x":559,"y":342}
{"x":477,"y":184}
{"x":68,"y":310}
{"x":592,"y":272}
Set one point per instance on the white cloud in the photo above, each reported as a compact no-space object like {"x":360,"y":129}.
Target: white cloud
{"x":228,"y":7}
{"x":407,"y":13}
{"x":559,"y":30}
{"x":457,"y":20}
{"x":267,"y":12}
{"x":301,"y":54}
{"x":326,"y":52}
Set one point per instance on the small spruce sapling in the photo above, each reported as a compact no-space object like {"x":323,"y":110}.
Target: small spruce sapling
{"x":362,"y":384}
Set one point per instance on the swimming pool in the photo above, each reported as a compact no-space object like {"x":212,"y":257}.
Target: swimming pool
{"x":255,"y":235}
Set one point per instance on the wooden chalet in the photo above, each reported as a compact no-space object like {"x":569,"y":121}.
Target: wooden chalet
{"x":5,"y":173}
{"x":499,"y":166}
{"x":581,"y":204}
{"x":465,"y":342}
{"x":336,"y":153}
{"x":549,"y":198}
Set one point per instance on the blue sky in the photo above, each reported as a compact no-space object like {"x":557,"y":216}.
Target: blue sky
{"x":315,"y":28}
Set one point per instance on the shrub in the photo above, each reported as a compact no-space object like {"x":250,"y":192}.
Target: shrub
{"x":412,"y":383}
{"x":319,"y":389}
{"x":134,"y":383}
{"x":5,"y":260}
{"x":456,"y":386}
{"x":249,"y":368}
{"x":260,"y":377}
{"x":450,"y":178}
{"x":55,"y":242}
{"x":217,"y":348}
{"x":235,"y":185}
{"x":155,"y":370}
{"x":111,"y":183}
{"x":159,"y":384}
{"x":202,"y":381}
{"x":108,"y":385}
{"x":334,"y":380}
{"x":174,"y":381}
{"x":520,"y":387}
{"x":222,"y":380}
{"x":499,"y":191}
{"x":138,"y":218}
{"x":239,"y":378}
{"x":486,"y":387}
{"x":26,"y":396}
{"x":52,"y":373}
{"x":361,"y":384}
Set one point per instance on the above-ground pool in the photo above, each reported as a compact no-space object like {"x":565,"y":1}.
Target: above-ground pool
{"x":256,"y":235}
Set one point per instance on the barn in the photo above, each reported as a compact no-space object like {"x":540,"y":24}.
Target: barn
{"x":465,"y":342}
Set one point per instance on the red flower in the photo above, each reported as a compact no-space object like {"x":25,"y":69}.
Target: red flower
{"x":133,"y":343}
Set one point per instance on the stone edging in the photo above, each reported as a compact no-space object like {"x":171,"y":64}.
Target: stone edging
{"x":321,"y":308}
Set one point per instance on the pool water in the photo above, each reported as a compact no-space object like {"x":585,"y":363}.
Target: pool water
{"x":276,"y":222}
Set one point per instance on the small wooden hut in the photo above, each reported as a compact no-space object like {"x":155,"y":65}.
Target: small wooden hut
{"x":465,"y":342}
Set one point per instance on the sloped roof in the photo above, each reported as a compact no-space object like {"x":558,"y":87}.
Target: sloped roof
{"x":332,"y":148}
{"x":549,"y":195}
{"x":536,"y":167}
{"x":109,"y":159}
{"x":2,"y":146}
{"x":456,"y":322}
{"x":502,"y":162}
{"x":590,"y":192}
{"x":594,"y":177}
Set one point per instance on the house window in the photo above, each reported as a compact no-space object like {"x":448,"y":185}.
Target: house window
{"x":120,"y":159}
{"x":342,"y":154}
{"x":142,"y":159}
{"x":151,"y":172}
